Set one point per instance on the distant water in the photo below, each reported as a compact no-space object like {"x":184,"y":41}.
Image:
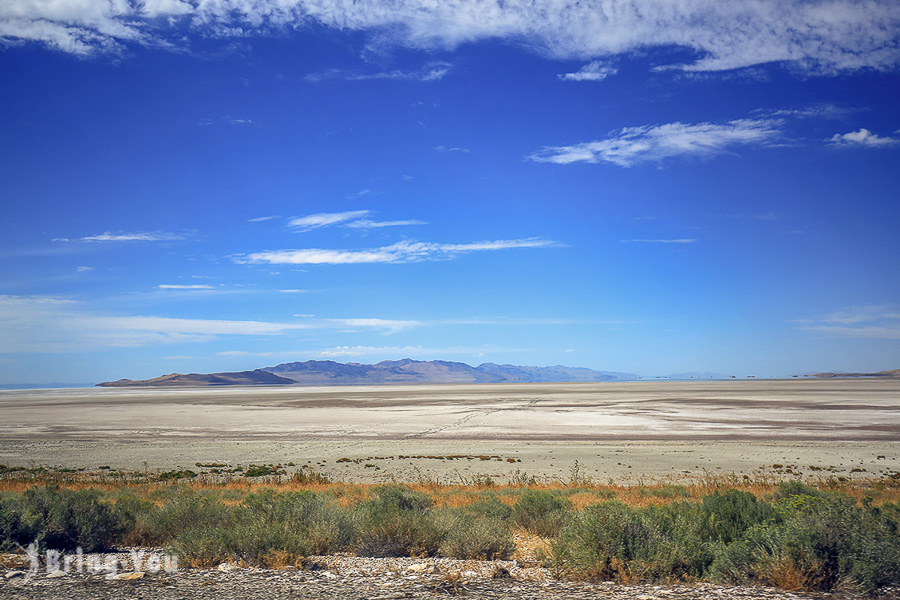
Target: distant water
{"x":42,"y":386}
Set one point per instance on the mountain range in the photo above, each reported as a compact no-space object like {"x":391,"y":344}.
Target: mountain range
{"x":408,"y":371}
{"x":327,"y":372}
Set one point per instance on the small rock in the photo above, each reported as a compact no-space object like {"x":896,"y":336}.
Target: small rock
{"x":328,"y":574}
{"x":127,"y":576}
{"x":226,"y":567}
{"x":12,"y":574}
{"x":422,"y":568}
{"x":55,"y":574}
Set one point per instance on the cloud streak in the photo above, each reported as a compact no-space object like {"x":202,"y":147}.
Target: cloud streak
{"x":593,"y":71}
{"x":671,"y":241}
{"x":310,"y":222}
{"x":824,"y":37}
{"x":433,"y":71}
{"x":631,"y":146}
{"x":50,"y":324}
{"x":351,"y":218}
{"x":402,"y":252}
{"x":172,"y":286}
{"x":873,"y":322}
{"x":157,"y":236}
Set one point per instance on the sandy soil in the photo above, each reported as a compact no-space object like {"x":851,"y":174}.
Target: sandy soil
{"x":621,"y":431}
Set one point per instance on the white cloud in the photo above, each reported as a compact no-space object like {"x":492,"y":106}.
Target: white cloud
{"x":863,"y":137}
{"x":167,"y":286}
{"x":387,"y":325}
{"x":672,"y":241}
{"x":823,"y":37}
{"x":261,"y":219}
{"x":401,"y":252}
{"x":226,"y":121}
{"x":84,"y":269}
{"x":315,"y":221}
{"x":635,"y":145}
{"x":126,"y":237}
{"x":879,"y":322}
{"x":293,"y":292}
{"x":350,"y":218}
{"x":593,"y":71}
{"x":50,"y":324}
{"x":368,"y":224}
{"x":433,"y":71}
{"x":408,"y":351}
{"x":452,"y":149}
{"x":822,"y":110}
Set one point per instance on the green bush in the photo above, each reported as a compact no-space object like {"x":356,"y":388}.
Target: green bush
{"x":732,"y":513}
{"x":489,"y":507}
{"x":60,"y":519}
{"x":612,"y":541}
{"x":821,"y":543}
{"x":183,"y":510}
{"x":540,"y":512}
{"x":397,"y":523}
{"x":485,"y":538}
{"x":268,"y":529}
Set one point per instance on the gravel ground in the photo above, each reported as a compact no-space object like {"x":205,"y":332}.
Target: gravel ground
{"x":345,"y":578}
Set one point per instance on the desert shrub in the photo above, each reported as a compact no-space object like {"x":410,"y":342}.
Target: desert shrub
{"x":786,"y":489}
{"x":13,"y":531}
{"x":677,"y":541}
{"x":485,"y":538}
{"x":183,"y":510}
{"x":129,"y":508}
{"x":397,"y":523}
{"x":60,"y":519}
{"x":268,"y":529}
{"x":600,"y":542}
{"x":315,"y":525}
{"x":821,"y":543}
{"x":891,"y":512}
{"x":489,"y":507}
{"x":540,"y":512}
{"x":732,"y":513}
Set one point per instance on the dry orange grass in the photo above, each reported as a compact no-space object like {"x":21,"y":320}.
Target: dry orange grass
{"x":581,"y":495}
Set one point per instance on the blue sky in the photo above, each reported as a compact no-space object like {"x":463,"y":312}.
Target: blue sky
{"x":639,"y":186}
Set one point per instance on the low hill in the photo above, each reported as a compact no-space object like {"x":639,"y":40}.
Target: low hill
{"x":256,"y":377}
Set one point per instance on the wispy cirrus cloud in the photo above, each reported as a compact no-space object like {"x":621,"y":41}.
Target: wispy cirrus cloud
{"x":402,"y":252}
{"x":820,"y":110}
{"x":409,"y":351}
{"x":175,"y":286}
{"x":52,"y":324}
{"x":631,"y":146}
{"x":156,"y":236}
{"x":593,"y":71}
{"x":817,"y":37}
{"x":876,"y":321}
{"x":351,"y":218}
{"x":387,"y":325}
{"x":862,"y":138}
{"x":661,"y":241}
{"x":370,"y":224}
{"x":432,"y":71}
{"x":452,"y":149}
{"x":310,"y":222}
